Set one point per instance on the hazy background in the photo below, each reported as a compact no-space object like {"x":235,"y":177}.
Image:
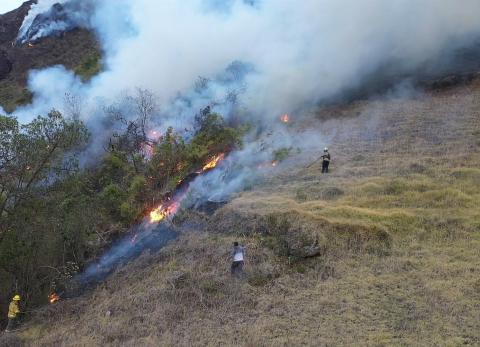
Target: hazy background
{"x":297,"y":55}
{"x":8,"y":5}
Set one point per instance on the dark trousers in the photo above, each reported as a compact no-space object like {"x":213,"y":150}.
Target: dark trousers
{"x":325,"y":165}
{"x":12,"y":324}
{"x":237,"y":268}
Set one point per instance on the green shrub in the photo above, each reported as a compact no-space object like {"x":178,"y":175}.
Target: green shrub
{"x":128,"y":212}
{"x":281,"y":154}
{"x":90,"y":66}
{"x":112,"y":197}
{"x":137,"y":186}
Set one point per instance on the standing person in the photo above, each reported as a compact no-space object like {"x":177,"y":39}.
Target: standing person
{"x":13,"y":312}
{"x":238,"y":257}
{"x":325,"y":160}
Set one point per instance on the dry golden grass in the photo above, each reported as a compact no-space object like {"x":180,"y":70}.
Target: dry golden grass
{"x":384,"y":251}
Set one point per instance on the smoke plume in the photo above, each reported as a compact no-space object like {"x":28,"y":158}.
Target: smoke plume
{"x":256,"y":59}
{"x":299,"y":54}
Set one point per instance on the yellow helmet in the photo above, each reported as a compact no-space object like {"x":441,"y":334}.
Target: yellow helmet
{"x":16,"y":298}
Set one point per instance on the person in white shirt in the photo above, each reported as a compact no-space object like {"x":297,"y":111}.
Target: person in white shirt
{"x":238,"y":257}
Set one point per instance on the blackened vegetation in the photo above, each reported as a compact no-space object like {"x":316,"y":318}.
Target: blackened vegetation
{"x":141,"y":238}
{"x":55,"y":217}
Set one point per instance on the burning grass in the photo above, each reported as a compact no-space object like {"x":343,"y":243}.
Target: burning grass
{"x":169,"y":208}
{"x":391,"y":260}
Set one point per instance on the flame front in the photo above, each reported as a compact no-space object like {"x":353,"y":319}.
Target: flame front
{"x":53,"y":298}
{"x":163,"y":212}
{"x":213,"y":162}
{"x":285,"y":118}
{"x":168,"y":208}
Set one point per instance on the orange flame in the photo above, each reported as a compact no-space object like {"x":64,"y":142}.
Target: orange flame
{"x":285,"y":118}
{"x":213,"y":162}
{"x":53,"y":298}
{"x":162,"y":212}
{"x":267,"y":165}
{"x":168,"y":209}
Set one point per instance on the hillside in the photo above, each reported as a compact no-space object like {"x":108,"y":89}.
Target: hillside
{"x":76,"y":50}
{"x":383,"y":251}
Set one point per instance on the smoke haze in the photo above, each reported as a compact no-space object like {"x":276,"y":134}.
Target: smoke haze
{"x":279,"y":56}
{"x":300,"y":54}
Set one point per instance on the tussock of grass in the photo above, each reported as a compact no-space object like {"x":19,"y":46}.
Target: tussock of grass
{"x":316,"y":193}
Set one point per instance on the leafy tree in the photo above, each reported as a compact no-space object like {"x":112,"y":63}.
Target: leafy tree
{"x":35,"y":154}
{"x":54,"y":216}
{"x":168,"y":160}
{"x":34,"y":159}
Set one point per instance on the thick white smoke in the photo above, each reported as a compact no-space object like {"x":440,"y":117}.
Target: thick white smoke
{"x":283,"y":55}
{"x":301,"y":52}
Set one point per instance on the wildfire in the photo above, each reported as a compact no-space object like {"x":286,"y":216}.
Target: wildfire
{"x":285,"y":118}
{"x":172,"y":203}
{"x":31,"y":44}
{"x":163,"y":212}
{"x":213,"y":162}
{"x":53,"y":298}
{"x":267,"y":165}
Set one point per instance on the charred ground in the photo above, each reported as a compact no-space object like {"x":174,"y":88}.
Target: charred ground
{"x":77,"y":50}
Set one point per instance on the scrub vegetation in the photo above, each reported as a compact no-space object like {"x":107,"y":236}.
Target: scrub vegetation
{"x":382,"y":251}
{"x":56,"y":216}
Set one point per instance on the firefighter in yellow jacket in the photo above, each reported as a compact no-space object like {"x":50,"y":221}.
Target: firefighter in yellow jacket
{"x":13,"y":312}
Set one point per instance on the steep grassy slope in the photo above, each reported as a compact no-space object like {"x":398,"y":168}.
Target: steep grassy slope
{"x":383,"y":251}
